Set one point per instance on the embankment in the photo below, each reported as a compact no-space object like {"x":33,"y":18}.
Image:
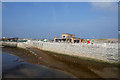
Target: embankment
{"x":9,"y":44}
{"x":107,"y":52}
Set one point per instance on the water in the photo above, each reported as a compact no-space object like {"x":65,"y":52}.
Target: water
{"x":19,"y":63}
{"x":14,"y":67}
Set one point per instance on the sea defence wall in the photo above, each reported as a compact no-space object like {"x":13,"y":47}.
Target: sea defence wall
{"x":9,"y":44}
{"x":101,"y":51}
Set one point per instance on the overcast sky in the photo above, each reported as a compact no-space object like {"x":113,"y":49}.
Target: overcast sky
{"x":50,"y":19}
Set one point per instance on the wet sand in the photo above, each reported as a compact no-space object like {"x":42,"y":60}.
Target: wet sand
{"x":75,"y":67}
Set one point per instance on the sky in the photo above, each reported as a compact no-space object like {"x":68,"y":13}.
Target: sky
{"x":50,"y":19}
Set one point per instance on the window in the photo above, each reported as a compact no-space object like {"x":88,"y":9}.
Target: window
{"x":63,"y":36}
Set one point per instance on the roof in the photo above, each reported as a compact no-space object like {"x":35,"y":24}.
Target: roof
{"x":76,"y":38}
{"x":67,"y":33}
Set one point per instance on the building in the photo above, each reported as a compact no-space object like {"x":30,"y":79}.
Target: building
{"x":15,"y":39}
{"x":68,"y":38}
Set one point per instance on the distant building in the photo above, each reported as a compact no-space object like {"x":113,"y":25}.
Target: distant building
{"x":68,"y":38}
{"x":15,"y":39}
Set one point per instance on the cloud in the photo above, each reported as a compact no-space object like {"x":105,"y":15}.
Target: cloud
{"x":106,"y":6}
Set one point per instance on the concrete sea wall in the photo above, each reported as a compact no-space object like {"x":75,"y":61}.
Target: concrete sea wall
{"x":8,"y":44}
{"x":101,"y":51}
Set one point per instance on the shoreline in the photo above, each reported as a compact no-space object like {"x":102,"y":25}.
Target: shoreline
{"x":82,"y":58}
{"x":77,"y":50}
{"x":57,"y":55}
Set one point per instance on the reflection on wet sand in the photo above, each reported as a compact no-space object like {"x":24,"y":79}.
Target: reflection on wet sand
{"x":46,"y":64}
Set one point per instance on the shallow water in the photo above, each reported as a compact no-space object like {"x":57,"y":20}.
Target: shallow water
{"x":19,"y":63}
{"x":14,"y":67}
